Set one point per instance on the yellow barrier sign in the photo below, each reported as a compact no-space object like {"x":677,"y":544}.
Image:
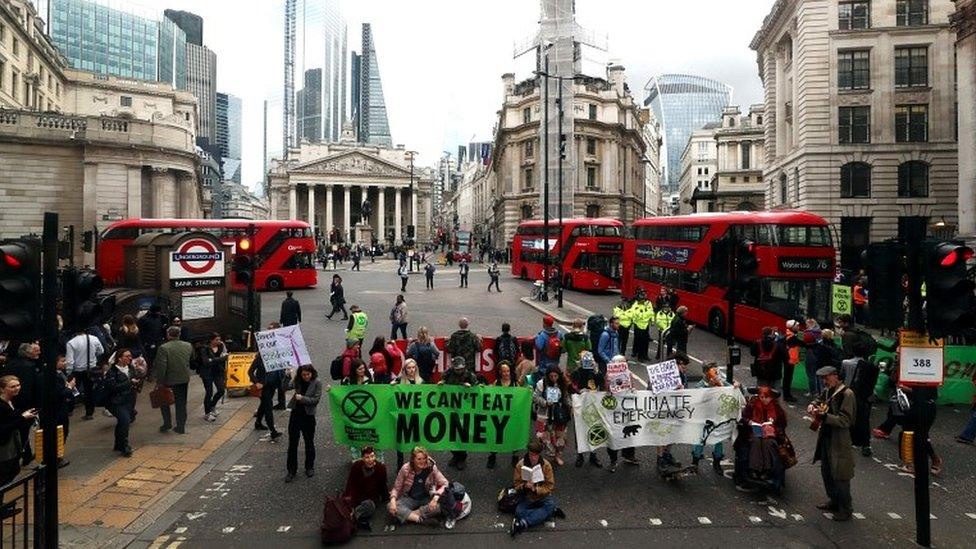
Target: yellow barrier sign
{"x":237,"y":366}
{"x":39,"y":443}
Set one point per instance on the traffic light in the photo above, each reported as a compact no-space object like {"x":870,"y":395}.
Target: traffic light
{"x":747,"y":266}
{"x":87,"y":241}
{"x":81,"y":305}
{"x":884,"y":265}
{"x":244,"y":264}
{"x":20,"y":289}
{"x":950,"y":304}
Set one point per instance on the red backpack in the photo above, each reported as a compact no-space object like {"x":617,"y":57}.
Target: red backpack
{"x":338,"y":525}
{"x":553,"y":346}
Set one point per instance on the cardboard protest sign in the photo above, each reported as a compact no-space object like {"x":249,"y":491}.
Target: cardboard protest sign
{"x":282,"y":348}
{"x":618,"y":377}
{"x":438,"y":417}
{"x":643,"y":418}
{"x":663,"y":376}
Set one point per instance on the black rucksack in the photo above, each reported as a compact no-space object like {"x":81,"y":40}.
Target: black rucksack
{"x":507,"y":349}
{"x":338,"y":525}
{"x":595,"y":325}
{"x":335,"y":368}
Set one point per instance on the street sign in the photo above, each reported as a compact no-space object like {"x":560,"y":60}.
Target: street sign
{"x":841,"y":302}
{"x":921,"y":361}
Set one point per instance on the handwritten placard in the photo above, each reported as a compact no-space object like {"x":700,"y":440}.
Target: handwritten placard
{"x":282,"y":348}
{"x":663,"y":376}
{"x":618,"y":378}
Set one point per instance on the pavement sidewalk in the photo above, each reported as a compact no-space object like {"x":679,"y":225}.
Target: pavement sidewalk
{"x":107,"y":500}
{"x":565,"y":315}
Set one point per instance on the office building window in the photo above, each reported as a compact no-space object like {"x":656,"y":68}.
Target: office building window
{"x":854,"y":70}
{"x":526,"y":115}
{"x":592,"y":112}
{"x":3,"y":72}
{"x":529,"y":149}
{"x":913,"y":179}
{"x":16,"y":48}
{"x":912,"y":13}
{"x":854,"y":15}
{"x":592,"y":210}
{"x":855,"y":234}
{"x":911,"y":67}
{"x":913,"y":228}
{"x":527,"y":181}
{"x":125,"y":100}
{"x":854,"y":125}
{"x":591,"y":182}
{"x":591,"y":146}
{"x":911,"y":123}
{"x":855,"y":180}
{"x":746,"y":149}
{"x":783,"y":198}
{"x":526,"y":211}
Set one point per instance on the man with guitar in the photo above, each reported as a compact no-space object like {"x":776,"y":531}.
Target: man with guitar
{"x":833,"y":417}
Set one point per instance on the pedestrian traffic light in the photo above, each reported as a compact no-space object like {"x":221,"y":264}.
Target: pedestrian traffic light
{"x":20,"y":289}
{"x":951,"y":306}
{"x":243,"y":264}
{"x":884,"y":265}
{"x":81,"y":305}
{"x":747,"y":266}
{"x":87,"y":241}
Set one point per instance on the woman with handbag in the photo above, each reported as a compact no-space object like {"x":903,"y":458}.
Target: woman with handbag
{"x":213,"y":361}
{"x":551,"y":399}
{"x":12,"y":422}
{"x":301,"y":421}
{"x":121,"y":380}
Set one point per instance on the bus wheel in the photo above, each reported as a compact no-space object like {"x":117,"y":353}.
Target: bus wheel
{"x":716,"y":322}
{"x":525,"y":274}
{"x":274,"y":284}
{"x":568,"y":283}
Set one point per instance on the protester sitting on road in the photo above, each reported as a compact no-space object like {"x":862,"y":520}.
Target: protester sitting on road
{"x":418,"y":489}
{"x":359,"y":374}
{"x":458,"y":375}
{"x":301,"y":421}
{"x":366,"y":487}
{"x":711,"y":377}
{"x":213,"y":373}
{"x":548,"y":345}
{"x":536,"y":503}
{"x":12,"y":422}
{"x":425,"y":353}
{"x":503,"y":378}
{"x":552,"y":412}
{"x":761,"y":430}
{"x":575,"y":343}
{"x":120,"y":383}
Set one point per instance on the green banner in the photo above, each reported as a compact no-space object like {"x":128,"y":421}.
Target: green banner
{"x":438,"y":417}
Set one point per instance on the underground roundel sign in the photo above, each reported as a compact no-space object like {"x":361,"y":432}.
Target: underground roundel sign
{"x":197,"y":263}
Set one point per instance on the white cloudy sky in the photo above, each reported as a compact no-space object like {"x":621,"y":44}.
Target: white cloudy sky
{"x":441,"y":60}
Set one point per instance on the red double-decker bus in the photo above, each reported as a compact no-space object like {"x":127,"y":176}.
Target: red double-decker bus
{"x":588,"y":249}
{"x":794,"y":250}
{"x":284,"y":249}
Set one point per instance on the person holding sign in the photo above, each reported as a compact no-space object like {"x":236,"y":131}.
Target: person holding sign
{"x":535,"y":482}
{"x":711,"y":377}
{"x":552,"y":412}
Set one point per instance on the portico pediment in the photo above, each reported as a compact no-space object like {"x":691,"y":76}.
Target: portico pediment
{"x":351,"y":163}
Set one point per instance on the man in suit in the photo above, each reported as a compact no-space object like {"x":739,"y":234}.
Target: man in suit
{"x":291,"y":311}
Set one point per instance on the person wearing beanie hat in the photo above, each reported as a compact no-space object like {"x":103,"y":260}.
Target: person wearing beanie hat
{"x":548,"y":345}
{"x":459,"y":374}
{"x":536,"y":503}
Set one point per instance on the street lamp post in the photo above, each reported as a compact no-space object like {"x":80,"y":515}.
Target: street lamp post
{"x":562,"y":154}
{"x":545,"y":180}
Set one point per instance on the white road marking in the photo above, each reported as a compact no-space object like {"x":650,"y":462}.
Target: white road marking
{"x":551,"y":524}
{"x":895,"y":516}
{"x":704,"y":520}
{"x":829,"y":516}
{"x":797,"y":517}
{"x":603,"y":523}
{"x":755,"y":520}
{"x":778,"y":513}
{"x":195,"y":516}
{"x":640,"y":380}
{"x":971,"y":515}
{"x":933,"y":517}
{"x":180,"y":530}
{"x":655,"y":522}
{"x":284,"y":528}
{"x":228,"y":529}
{"x":858,"y":516}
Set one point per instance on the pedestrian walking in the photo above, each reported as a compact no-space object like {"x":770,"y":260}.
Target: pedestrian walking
{"x":425,"y":353}
{"x":621,"y":311}
{"x":399,"y":318}
{"x":172,"y":370}
{"x":358,"y":324}
{"x":301,"y":421}
{"x":834,"y":410}
{"x":128,"y":336}
{"x":465,"y":344}
{"x":291,"y":310}
{"x":404,"y":274}
{"x":213,"y":373}
{"x":493,"y":275}
{"x":27,"y":369}
{"x":536,"y":503}
{"x":357,"y":257}
{"x":463,"y":269}
{"x":267,"y":383}
{"x":152,"y":330}
{"x":120,"y":385}
{"x":81,"y":352}
{"x":337,"y":298}
{"x":429,"y":270}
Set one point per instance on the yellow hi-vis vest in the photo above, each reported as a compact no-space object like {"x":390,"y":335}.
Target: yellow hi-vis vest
{"x":623,"y":316}
{"x":642,"y":314}
{"x":359,"y":325}
{"x":663,"y":320}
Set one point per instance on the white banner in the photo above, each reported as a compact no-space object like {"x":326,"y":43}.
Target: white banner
{"x":642,"y":418}
{"x":282,"y":348}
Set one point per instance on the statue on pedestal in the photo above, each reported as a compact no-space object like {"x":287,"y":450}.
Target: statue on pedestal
{"x":366,"y":211}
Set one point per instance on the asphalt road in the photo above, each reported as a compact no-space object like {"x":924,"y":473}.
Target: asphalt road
{"x":246,"y":502}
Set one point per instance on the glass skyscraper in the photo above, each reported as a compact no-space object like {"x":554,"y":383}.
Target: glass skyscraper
{"x":228,"y":135}
{"x":682,"y":104}
{"x":369,"y":103}
{"x":321,"y":66}
{"x":113,"y":38}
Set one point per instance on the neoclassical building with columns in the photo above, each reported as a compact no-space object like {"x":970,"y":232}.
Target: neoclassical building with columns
{"x":328,"y":184}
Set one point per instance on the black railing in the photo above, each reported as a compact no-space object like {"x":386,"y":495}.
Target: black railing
{"x":22,"y":511}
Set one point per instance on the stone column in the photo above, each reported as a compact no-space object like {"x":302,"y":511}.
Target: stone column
{"x":134,"y":192}
{"x":184,"y":184}
{"x":160,"y":180}
{"x":311,"y":207}
{"x":328,"y":209}
{"x":966,"y":86}
{"x":413,"y":212}
{"x":397,"y":217}
{"x":381,"y":213}
{"x":292,"y":202}
{"x":347,"y":226}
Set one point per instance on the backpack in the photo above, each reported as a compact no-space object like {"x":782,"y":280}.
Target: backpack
{"x":764,"y":360}
{"x":865,"y":377}
{"x":338,"y":525}
{"x":869,"y":343}
{"x":595,"y":325}
{"x":335,"y":368}
{"x":553,"y":346}
{"x":507,"y":349}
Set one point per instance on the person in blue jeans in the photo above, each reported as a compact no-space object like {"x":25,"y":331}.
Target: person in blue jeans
{"x":969,"y":431}
{"x":711,"y":377}
{"x":536,"y":503}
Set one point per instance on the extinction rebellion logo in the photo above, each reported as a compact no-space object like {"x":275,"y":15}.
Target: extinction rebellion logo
{"x":360,"y":407}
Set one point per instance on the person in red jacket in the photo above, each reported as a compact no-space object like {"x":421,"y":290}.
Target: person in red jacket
{"x":366,"y":487}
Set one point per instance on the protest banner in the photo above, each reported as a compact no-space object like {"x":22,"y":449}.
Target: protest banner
{"x":438,"y":417}
{"x":663,"y":376}
{"x":485,"y":361}
{"x":643,"y":418}
{"x":618,"y":377}
{"x":282,"y":348}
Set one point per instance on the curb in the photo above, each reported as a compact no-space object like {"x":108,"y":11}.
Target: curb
{"x":565,"y":315}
